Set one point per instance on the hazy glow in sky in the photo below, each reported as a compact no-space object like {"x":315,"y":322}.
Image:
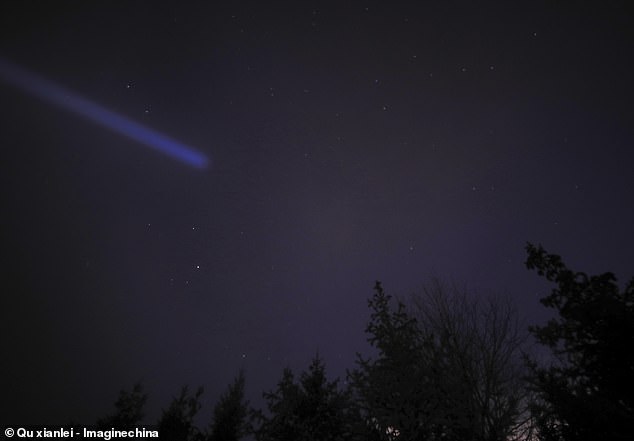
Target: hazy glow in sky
{"x":37,"y":86}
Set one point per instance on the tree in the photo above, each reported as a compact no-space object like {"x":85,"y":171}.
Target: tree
{"x":587,"y":391}
{"x":447,"y":367}
{"x":177,"y":422}
{"x":313,"y":409}
{"x":230,"y":413}
{"x":479,"y":351}
{"x":396,"y":392}
{"x":129,"y":410}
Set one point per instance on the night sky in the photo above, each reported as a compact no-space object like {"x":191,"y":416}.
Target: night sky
{"x":346,"y":143}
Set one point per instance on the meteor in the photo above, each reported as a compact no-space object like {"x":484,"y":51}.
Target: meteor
{"x":61,"y":97}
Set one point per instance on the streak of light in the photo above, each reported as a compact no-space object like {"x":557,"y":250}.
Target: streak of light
{"x":61,"y":97}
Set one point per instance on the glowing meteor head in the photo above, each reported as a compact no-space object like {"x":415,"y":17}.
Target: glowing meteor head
{"x":57,"y":95}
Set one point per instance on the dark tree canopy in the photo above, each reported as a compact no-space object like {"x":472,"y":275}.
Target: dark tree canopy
{"x":588,"y":391}
{"x":479,"y":343}
{"x":177,"y":422}
{"x":446,"y":368}
{"x":395,"y":391}
{"x":312,"y":409}
{"x":230,"y":413}
{"x":129,"y":410}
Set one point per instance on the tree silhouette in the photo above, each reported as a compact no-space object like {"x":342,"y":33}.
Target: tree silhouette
{"x":313,"y":409}
{"x":587,"y":391}
{"x":447,"y":367}
{"x":397,"y":392}
{"x":129,"y":410}
{"x":478,"y":344}
{"x":230,"y":413}
{"x":177,"y":422}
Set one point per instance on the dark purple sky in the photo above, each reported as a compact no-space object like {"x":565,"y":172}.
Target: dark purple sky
{"x":377,"y":140}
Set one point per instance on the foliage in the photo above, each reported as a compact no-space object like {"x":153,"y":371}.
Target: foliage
{"x":230,"y":413}
{"x":447,"y":367}
{"x":129,"y":409}
{"x":587,"y":392}
{"x":177,"y":422}
{"x":478,"y":345}
{"x":397,"y":392}
{"x":313,"y":409}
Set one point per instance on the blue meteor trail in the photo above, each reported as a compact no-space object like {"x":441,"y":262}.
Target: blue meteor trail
{"x":42,"y":88}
